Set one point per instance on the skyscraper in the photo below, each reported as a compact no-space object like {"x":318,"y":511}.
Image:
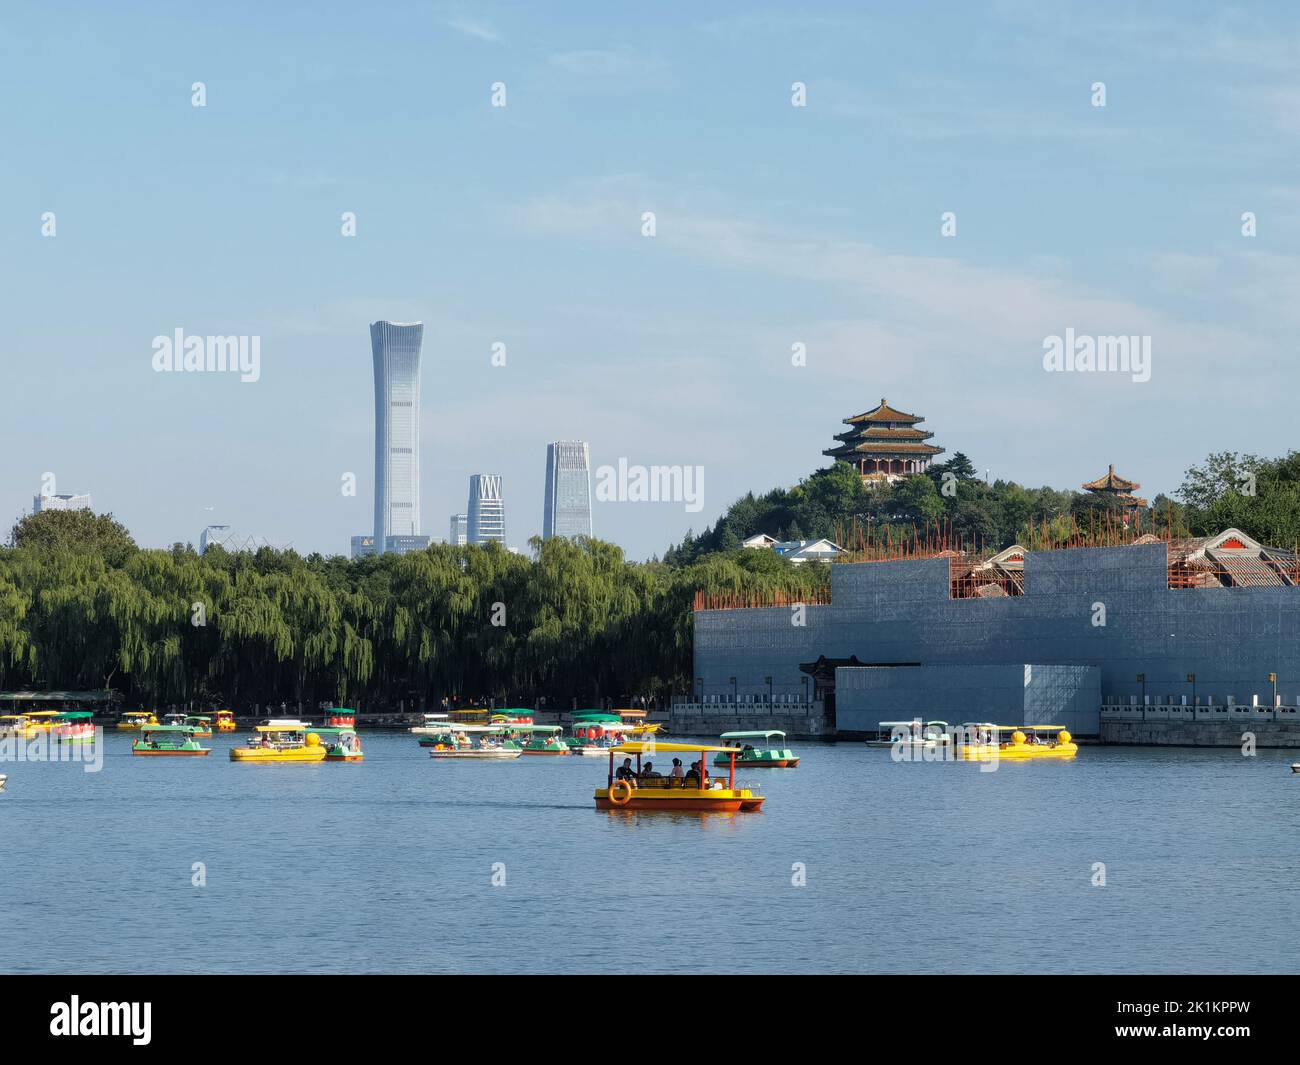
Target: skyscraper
{"x":396,"y":349}
{"x":459,"y":533}
{"x":567,"y":508}
{"x":60,"y":502}
{"x":487,"y":510}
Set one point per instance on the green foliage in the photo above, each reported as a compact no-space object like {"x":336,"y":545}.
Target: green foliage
{"x":1261,"y":497}
{"x":575,"y":621}
{"x":81,"y":531}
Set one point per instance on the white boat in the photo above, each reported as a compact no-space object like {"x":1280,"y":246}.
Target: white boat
{"x":3,"y":778}
{"x":912,"y":735}
{"x":474,"y":742}
{"x":479,"y":753}
{"x":433,"y":724}
{"x":590,"y":752}
{"x":1295,"y":768}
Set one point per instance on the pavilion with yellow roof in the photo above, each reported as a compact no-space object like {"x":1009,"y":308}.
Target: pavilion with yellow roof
{"x":884,"y":445}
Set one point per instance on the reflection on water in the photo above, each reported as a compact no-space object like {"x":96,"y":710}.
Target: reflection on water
{"x":930,"y":867}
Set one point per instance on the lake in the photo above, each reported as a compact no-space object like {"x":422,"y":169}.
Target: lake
{"x":855,"y":864}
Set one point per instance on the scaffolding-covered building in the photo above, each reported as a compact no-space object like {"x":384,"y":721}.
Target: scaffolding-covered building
{"x":1021,"y":637}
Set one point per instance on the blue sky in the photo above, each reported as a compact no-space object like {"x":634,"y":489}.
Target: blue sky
{"x":775,"y":225}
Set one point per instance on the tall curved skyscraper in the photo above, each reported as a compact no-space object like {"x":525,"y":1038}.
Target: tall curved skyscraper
{"x":396,"y":348}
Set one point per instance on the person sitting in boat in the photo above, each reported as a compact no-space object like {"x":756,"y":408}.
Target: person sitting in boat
{"x":625,"y":771}
{"x":650,"y":773}
{"x":678,"y":772}
{"x":692,"y":776}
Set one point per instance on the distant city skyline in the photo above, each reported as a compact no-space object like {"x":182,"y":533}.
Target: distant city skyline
{"x":566,"y":508}
{"x":802,"y":265}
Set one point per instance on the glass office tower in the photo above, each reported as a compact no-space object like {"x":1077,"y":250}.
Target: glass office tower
{"x":567,"y":508}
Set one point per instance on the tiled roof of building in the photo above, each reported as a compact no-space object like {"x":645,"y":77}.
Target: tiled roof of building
{"x":883,"y":413}
{"x":1112,"y":482}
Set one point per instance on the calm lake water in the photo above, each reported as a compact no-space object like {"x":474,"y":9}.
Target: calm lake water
{"x":386,"y":866}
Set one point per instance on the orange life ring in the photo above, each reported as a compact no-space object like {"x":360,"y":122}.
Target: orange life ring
{"x":626,"y":792}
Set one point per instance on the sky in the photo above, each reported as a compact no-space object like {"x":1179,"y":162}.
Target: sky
{"x":774,"y":225}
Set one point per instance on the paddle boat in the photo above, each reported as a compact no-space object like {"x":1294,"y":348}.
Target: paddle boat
{"x":541,"y":740}
{"x":913,"y":734}
{"x":134,"y":720}
{"x":434,"y":724}
{"x":594,"y":732}
{"x":341,"y":717}
{"x":986,"y":742}
{"x":201,"y":724}
{"x":773,"y":756}
{"x":16,"y":724}
{"x":342,"y":744}
{"x":3,"y":780}
{"x":281,"y":742}
{"x":174,"y":718}
{"x":626,"y":788}
{"x":42,"y":720}
{"x":511,"y":716}
{"x":472,"y":743}
{"x":225,"y":721}
{"x":169,"y":740}
{"x":75,"y":726}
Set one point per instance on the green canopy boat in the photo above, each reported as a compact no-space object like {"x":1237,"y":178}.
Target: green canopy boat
{"x":756,"y":756}
{"x":168,"y":740}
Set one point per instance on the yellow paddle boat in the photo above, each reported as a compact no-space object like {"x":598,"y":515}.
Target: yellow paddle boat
{"x":134,"y":720}
{"x":640,"y":787}
{"x":987,"y":743}
{"x":281,"y":743}
{"x":225,"y":721}
{"x":16,"y":725}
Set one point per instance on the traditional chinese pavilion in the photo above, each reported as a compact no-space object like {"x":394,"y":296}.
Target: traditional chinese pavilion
{"x":1117,"y":488}
{"x":884,"y":445}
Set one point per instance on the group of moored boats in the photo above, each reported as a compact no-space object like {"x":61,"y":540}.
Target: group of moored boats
{"x":274,"y":740}
{"x":975,"y":740}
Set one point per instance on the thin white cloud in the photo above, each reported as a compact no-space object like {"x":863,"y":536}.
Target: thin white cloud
{"x":471,"y":26}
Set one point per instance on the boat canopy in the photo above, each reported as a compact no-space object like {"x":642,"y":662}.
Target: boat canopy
{"x":761,"y":734}
{"x":334,"y":730}
{"x":1025,"y":728}
{"x":43,"y":713}
{"x":650,"y":747}
{"x":148,"y":729}
{"x":900,"y":724}
{"x":517,"y":712}
{"x":597,"y":719}
{"x":76,"y":715}
{"x":534,"y":728}
{"x":138,"y":713}
{"x":282,"y":728}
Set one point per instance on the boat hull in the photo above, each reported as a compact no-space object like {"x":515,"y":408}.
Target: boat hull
{"x":345,"y":757}
{"x":1018,"y":753}
{"x":300,"y":754}
{"x":173,"y":754}
{"x":719,"y":801}
{"x":547,"y":754}
{"x":480,"y":756}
